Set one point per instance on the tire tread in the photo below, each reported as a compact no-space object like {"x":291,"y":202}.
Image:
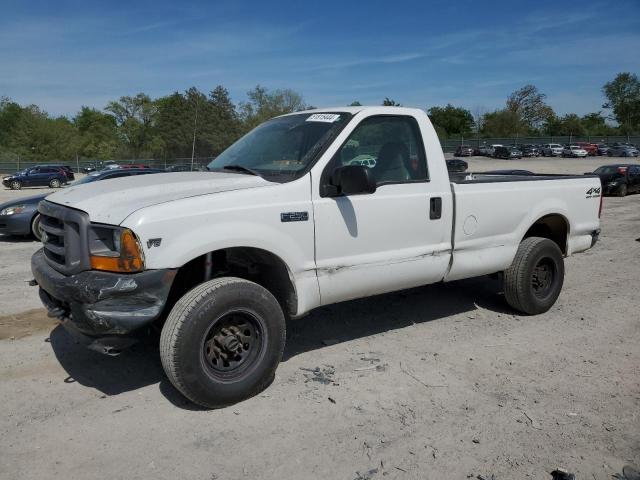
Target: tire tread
{"x":174,"y":328}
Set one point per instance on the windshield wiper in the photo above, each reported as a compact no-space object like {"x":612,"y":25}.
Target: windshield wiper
{"x":241,"y":169}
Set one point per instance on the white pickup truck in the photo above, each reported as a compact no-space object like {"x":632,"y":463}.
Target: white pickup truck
{"x":288,"y":219}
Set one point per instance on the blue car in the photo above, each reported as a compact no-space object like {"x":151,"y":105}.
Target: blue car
{"x":39,"y":176}
{"x":21,"y":217}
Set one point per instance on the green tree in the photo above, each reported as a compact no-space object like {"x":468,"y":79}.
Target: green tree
{"x":453,"y":120}
{"x":596,"y":124}
{"x":571,"y":124}
{"x":387,"y":102}
{"x":225,"y":125}
{"x":623,"y":98}
{"x":135,"y":117}
{"x":528,"y":103}
{"x":355,"y":103}
{"x":263,"y":105}
{"x":9,"y":115}
{"x":98,"y":134}
{"x":503,"y":123}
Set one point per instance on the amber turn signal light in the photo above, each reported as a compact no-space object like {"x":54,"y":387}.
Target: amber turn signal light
{"x":129,"y":261}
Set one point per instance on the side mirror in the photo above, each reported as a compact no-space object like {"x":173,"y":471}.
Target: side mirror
{"x":352,"y":180}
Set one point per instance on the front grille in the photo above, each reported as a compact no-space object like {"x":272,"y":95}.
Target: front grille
{"x":65,"y":237}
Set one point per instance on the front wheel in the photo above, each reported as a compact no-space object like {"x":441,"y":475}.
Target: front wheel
{"x":16,"y":185}
{"x":223,"y":341}
{"x":534,"y":280}
{"x":36,"y":230}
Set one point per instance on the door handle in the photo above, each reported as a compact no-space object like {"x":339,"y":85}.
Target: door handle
{"x":435,"y":208}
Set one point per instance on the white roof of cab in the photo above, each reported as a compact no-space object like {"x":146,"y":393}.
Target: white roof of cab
{"x":353,"y":110}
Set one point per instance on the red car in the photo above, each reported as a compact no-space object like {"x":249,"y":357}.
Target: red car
{"x":591,"y":148}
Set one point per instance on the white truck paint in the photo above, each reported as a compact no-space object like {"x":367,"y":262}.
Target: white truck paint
{"x":287,"y":221}
{"x":351,"y":246}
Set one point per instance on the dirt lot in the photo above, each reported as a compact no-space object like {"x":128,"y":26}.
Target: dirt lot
{"x":437,"y":382}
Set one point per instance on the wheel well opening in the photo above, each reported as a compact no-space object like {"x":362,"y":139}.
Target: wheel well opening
{"x":253,"y":264}
{"x":554,"y":227}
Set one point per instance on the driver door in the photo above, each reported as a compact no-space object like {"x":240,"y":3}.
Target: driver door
{"x":387,"y":240}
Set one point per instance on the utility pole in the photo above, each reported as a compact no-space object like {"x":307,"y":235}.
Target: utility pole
{"x":193,"y":145}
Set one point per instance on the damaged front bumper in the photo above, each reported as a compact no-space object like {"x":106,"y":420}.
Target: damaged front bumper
{"x":102,"y":304}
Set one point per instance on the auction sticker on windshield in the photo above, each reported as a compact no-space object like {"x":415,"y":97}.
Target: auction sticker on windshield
{"x":324,"y":117}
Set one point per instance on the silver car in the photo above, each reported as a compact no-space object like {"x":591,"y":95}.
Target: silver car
{"x":622,"y":150}
{"x":552,"y":150}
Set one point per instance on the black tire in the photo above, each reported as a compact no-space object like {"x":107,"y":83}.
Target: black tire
{"x":54,"y":183}
{"x":194,"y":348}
{"x":534,"y":280}
{"x":15,"y":185}
{"x":622,"y":190}
{"x":609,"y":154}
{"x":35,"y":228}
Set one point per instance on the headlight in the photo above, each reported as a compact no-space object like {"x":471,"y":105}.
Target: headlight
{"x":114,"y":249}
{"x":612,"y":184}
{"x":13,"y":210}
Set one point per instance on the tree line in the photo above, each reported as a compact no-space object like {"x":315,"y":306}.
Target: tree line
{"x":204,"y":124}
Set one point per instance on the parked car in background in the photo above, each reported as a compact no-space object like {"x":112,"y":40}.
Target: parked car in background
{"x":43,"y":176}
{"x":622,"y":150}
{"x":484,"y":150}
{"x":603,"y":148}
{"x":180,"y":167}
{"x":457,"y":165}
{"x":530,"y":151}
{"x":68,"y":171}
{"x":364,"y":160}
{"x":97,"y":166}
{"x":492,"y":149}
{"x":618,"y":179}
{"x":20,"y":216}
{"x":573,"y":151}
{"x":590,"y":148}
{"x":463,"y":151}
{"x":552,"y":150}
{"x":507,"y":153}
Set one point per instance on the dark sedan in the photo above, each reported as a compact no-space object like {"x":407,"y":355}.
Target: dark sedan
{"x":39,"y":176}
{"x":618,"y":179}
{"x":529,"y":151}
{"x":507,"y":153}
{"x":20,"y":216}
{"x":457,"y":165}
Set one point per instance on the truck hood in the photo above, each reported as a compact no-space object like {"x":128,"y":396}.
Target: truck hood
{"x":111,"y":201}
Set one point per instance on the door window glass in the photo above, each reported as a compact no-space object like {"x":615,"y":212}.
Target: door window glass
{"x":390,"y":145}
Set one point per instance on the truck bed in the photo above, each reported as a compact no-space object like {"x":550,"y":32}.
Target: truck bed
{"x":492,"y":214}
{"x":470,"y":177}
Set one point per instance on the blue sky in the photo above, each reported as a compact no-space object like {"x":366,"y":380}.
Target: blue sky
{"x":62,"y":55}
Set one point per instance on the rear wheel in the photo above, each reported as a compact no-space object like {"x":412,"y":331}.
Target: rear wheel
{"x":223,"y":341}
{"x":16,"y":185}
{"x":36,"y":230}
{"x":54,"y":183}
{"x":534,"y":280}
{"x":622,"y":190}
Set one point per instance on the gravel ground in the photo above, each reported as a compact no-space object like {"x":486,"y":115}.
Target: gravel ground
{"x":443,"y":381}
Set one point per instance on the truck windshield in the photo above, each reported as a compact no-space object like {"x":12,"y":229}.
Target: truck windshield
{"x":281,"y":149}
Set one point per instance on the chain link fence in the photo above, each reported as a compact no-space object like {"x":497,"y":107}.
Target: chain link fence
{"x":10,"y":163}
{"x":451,"y":144}
{"x":78,"y":166}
